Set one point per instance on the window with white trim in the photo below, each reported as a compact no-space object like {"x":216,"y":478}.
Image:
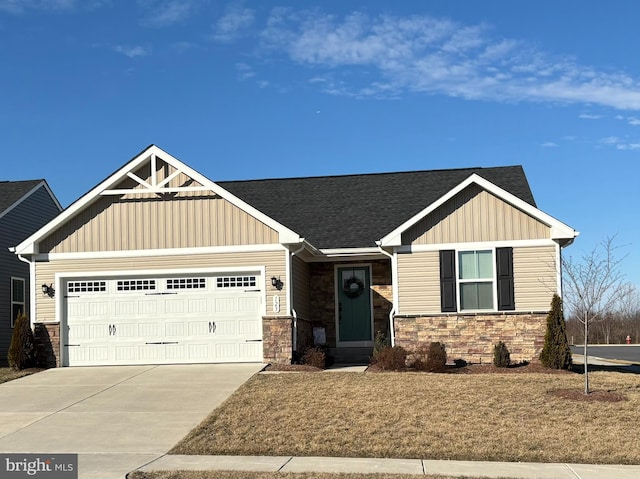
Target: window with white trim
{"x":236,"y":281}
{"x":476,"y":279}
{"x":18,"y":298}
{"x":186,"y":283}
{"x":135,"y":285}
{"x":86,"y":286}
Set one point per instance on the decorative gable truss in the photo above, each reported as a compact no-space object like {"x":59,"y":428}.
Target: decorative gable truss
{"x":162,"y":177}
{"x":153,"y":172}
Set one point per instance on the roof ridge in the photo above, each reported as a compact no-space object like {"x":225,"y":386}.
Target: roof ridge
{"x":380,"y":173}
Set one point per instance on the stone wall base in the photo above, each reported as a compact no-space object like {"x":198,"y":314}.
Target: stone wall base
{"x":277,"y":339}
{"x":472,"y":336}
{"x":47,"y":338}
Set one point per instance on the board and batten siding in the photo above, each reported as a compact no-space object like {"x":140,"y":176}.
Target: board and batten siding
{"x":27,"y":217}
{"x":534,"y":277}
{"x":273,"y":261}
{"x":534,"y":270}
{"x":300,"y":279}
{"x":475,"y":215}
{"x":419,"y":282}
{"x":118,"y":224}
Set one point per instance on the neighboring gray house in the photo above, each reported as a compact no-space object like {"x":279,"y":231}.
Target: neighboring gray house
{"x":24,"y":207}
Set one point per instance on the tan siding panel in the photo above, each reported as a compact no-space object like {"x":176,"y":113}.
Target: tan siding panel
{"x":475,"y":215}
{"x":273,"y":261}
{"x":301,"y":288}
{"x":419,"y":282}
{"x":534,"y":276}
{"x":118,"y":224}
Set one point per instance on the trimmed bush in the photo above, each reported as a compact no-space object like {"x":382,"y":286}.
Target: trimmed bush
{"x":380,"y":341}
{"x":556,"y":353}
{"x":391,"y":358}
{"x":21,"y":353}
{"x":436,"y":357}
{"x":420,"y":356}
{"x":315,"y":357}
{"x":501,"y":356}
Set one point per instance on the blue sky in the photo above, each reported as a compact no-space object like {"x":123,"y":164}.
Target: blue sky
{"x":257,"y":89}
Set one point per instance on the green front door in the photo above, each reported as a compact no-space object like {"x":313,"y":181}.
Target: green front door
{"x":354,"y":304}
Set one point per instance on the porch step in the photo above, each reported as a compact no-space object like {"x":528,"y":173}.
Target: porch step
{"x":359,"y":356}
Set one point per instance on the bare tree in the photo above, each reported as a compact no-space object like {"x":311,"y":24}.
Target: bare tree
{"x":594,"y":286}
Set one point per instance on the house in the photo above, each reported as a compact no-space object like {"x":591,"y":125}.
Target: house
{"x":158,"y":264}
{"x":25,"y":206}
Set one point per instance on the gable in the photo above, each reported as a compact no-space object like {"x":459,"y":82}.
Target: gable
{"x":188,"y":216}
{"x":475,"y":215}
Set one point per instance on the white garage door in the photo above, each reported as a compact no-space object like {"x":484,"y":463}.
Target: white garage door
{"x":163,"y":320}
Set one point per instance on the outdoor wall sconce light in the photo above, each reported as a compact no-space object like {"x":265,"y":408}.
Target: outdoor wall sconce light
{"x":47,"y":290}
{"x":276,"y":283}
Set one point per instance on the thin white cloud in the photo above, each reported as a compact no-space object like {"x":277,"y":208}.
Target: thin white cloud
{"x":162,"y":13}
{"x":244,"y":71}
{"x":549,"y":144}
{"x":133,"y":51}
{"x":18,"y":7}
{"x":620,"y":143}
{"x":632,"y":120}
{"x":232,"y":24}
{"x":387,"y":56}
{"x":183,"y":46}
{"x":628,"y":146}
{"x":588,"y":116}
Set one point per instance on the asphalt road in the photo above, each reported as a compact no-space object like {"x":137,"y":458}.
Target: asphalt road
{"x":624,"y":352}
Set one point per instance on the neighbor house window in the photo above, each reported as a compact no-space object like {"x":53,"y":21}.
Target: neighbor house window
{"x":17,"y":298}
{"x":473,"y":280}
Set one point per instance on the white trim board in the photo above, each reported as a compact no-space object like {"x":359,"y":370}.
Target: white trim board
{"x":475,"y":245}
{"x":262,"y":248}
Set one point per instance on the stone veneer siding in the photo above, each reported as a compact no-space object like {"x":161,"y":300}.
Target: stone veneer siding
{"x":47,"y":339}
{"x":277,"y":339}
{"x":322,"y":296}
{"x":472,"y":336}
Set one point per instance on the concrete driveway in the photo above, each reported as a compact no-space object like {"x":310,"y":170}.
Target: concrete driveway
{"x":117,"y":418}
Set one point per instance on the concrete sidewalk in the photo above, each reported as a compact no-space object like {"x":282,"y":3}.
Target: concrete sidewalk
{"x":392,"y":466}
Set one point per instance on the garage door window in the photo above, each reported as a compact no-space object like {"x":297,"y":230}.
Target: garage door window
{"x":235,"y":281}
{"x":86,"y":286}
{"x":186,"y":283}
{"x":136,"y":285}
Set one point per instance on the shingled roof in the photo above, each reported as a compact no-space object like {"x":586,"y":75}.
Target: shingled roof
{"x":12,"y":191}
{"x":354,"y":211}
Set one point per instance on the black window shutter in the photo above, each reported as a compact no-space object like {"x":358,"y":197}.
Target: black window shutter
{"x":448,"y":281}
{"x":504,"y":269}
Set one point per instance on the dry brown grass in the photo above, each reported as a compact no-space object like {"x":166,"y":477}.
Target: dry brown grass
{"x":8,"y":374}
{"x":491,"y":417}
{"x":276,"y":475}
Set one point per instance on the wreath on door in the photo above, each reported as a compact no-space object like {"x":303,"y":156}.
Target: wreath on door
{"x":353,"y":287}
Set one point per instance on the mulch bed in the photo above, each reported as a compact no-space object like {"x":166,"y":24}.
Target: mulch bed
{"x":292,"y":368}
{"x":520,"y":368}
{"x":593,"y":396}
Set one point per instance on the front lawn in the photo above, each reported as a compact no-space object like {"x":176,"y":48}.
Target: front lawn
{"x":8,"y":374}
{"x":488,"y":417}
